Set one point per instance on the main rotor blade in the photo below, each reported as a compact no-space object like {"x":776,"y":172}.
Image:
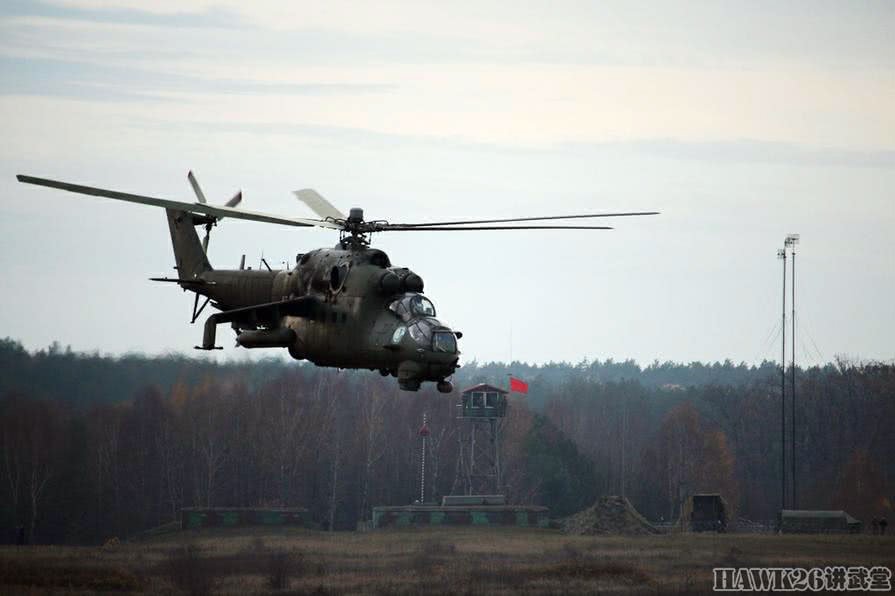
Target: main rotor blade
{"x":221,"y":211}
{"x":421,"y":228}
{"x":206,"y":209}
{"x":236,"y":200}
{"x":490,"y":221}
{"x":318,"y":204}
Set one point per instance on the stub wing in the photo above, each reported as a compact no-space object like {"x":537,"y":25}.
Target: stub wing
{"x":267,"y":314}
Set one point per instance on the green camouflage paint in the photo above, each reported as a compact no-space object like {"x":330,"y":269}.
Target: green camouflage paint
{"x":479,"y":518}
{"x":230,"y":518}
{"x":273,"y":518}
{"x":196,"y":520}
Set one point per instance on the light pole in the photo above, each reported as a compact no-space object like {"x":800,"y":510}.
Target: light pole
{"x":791,"y":241}
{"x":781,"y":254}
{"x":424,"y":433}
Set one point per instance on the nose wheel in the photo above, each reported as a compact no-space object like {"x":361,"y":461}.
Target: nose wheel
{"x":445,"y":387}
{"x":409,"y":384}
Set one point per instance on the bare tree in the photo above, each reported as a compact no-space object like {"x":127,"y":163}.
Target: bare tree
{"x":212,"y":442}
{"x":12,"y":454}
{"x":335,"y":468}
{"x":171,"y":456}
{"x":39,"y":425}
{"x":372,"y":427}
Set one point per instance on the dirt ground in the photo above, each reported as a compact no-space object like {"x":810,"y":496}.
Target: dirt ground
{"x":468,"y":560}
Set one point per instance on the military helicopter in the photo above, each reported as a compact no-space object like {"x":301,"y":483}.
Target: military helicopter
{"x":345,"y":307}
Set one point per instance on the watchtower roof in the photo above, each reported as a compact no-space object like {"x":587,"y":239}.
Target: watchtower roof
{"x":484,"y":387}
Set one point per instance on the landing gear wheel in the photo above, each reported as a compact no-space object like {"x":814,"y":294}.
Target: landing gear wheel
{"x":445,"y":387}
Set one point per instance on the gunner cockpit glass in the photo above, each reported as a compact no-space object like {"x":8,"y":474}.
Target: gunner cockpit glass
{"x":431,"y":334}
{"x":444,"y":341}
{"x":421,"y":331}
{"x":412,"y":305}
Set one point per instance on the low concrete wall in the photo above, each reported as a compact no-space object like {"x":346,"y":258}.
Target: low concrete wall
{"x":478,"y":515}
{"x":197,"y":517}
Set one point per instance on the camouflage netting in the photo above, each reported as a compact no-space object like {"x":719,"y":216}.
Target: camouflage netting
{"x":609,"y":515}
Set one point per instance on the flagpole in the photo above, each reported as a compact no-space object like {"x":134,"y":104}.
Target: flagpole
{"x":499,"y":479}
{"x":511,"y":345}
{"x":624,"y":433}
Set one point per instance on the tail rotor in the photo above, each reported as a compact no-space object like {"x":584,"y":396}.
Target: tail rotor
{"x":200,"y":196}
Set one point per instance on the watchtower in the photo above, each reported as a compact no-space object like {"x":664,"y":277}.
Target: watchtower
{"x":482,"y":409}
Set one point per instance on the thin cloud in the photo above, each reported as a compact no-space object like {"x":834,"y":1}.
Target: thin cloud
{"x":85,"y":80}
{"x":214,"y":17}
{"x":733,"y":151}
{"x":752,"y":151}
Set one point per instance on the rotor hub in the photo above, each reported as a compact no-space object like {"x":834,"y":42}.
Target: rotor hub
{"x":356,"y":215}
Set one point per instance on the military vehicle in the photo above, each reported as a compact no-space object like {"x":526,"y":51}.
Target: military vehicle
{"x":346,"y":307}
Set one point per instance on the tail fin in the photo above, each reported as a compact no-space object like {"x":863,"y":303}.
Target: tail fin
{"x":191,"y":259}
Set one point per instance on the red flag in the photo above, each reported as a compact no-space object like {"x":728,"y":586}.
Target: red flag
{"x":518,"y":386}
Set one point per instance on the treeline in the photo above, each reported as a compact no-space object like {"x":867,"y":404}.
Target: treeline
{"x":130,"y":449}
{"x":84,"y":379}
{"x":59,"y":373}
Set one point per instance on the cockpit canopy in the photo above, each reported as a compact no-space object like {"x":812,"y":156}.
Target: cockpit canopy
{"x":409,"y":306}
{"x":418,"y":313}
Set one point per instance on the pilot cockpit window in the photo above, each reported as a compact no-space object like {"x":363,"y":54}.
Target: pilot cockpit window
{"x":420,"y":305}
{"x":412,"y":305}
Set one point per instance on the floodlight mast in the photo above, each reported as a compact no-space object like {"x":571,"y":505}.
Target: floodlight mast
{"x":423,"y":465}
{"x":781,"y":254}
{"x":791,"y":241}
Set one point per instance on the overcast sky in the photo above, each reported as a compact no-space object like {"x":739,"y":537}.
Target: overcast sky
{"x":739,"y":121}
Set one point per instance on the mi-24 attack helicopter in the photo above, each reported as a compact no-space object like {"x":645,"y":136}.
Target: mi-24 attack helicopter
{"x":345,"y":307}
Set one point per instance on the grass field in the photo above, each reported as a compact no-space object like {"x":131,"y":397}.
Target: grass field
{"x":418,"y":561}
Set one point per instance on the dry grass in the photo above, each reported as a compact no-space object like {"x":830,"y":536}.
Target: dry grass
{"x":459,"y":560}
